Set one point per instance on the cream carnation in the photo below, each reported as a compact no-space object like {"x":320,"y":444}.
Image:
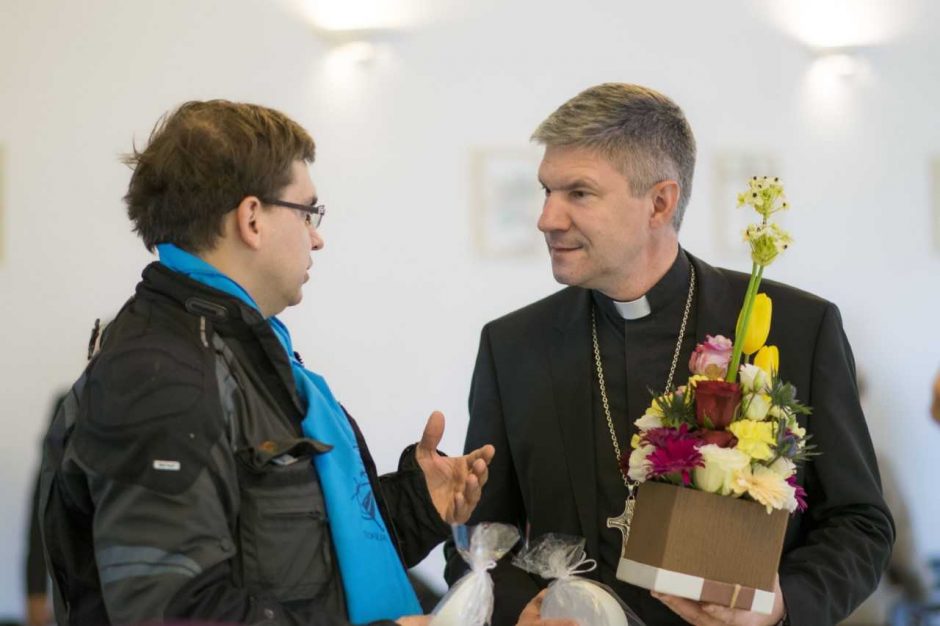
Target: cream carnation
{"x":765,"y":486}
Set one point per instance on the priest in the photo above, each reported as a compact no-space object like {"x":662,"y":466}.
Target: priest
{"x":559,"y":383}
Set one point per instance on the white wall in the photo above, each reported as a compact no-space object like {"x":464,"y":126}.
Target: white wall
{"x":396,"y":301}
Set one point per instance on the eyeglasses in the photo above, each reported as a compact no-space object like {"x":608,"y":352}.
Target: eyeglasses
{"x":313,"y":214}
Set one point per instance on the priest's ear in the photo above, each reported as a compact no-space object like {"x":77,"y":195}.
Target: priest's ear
{"x":665,"y":198}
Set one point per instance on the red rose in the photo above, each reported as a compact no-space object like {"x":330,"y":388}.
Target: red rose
{"x":716,"y":400}
{"x":720,"y":438}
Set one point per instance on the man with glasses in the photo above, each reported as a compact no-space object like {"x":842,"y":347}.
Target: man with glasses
{"x":197,"y":470}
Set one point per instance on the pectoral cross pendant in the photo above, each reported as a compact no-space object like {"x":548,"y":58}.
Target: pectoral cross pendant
{"x":622,"y":522}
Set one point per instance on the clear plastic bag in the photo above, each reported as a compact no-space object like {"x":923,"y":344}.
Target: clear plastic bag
{"x":589,"y":602}
{"x":470,"y":601}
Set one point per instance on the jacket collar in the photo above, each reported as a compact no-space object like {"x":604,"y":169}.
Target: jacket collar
{"x":228,"y":316}
{"x":196,"y":297}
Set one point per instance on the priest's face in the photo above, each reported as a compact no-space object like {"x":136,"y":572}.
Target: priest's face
{"x":598,"y":232}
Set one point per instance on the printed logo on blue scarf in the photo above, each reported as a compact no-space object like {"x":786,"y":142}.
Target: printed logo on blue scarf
{"x":368,"y":509}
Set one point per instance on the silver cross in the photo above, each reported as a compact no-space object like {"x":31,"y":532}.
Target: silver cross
{"x":622,"y":522}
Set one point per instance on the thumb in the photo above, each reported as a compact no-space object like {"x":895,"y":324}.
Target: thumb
{"x":433,"y":432}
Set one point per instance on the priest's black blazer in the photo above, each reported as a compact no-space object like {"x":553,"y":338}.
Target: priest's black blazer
{"x":531,"y":397}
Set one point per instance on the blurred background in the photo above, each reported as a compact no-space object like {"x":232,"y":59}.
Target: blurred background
{"x":421,"y":111}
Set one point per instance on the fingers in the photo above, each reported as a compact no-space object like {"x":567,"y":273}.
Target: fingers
{"x":481,"y":471}
{"x":689,"y":610}
{"x":532,"y":615}
{"x":414,"y":620}
{"x":433,"y":433}
{"x":477,"y":464}
{"x":466,"y":499}
{"x":484,"y":453}
{"x":471,"y":495}
{"x":532,"y":610}
{"x":723,"y":614}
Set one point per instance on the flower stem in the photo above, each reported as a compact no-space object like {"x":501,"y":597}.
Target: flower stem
{"x":753,"y":284}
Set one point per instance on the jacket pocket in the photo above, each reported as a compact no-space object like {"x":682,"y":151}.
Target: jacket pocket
{"x":286,"y":548}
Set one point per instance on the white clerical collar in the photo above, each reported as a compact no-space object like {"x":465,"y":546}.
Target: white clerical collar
{"x":634,"y":309}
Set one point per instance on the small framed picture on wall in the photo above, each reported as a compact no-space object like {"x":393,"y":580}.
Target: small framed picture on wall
{"x":506,"y":200}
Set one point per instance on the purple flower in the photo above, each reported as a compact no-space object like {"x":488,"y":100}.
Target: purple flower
{"x":800,"y":493}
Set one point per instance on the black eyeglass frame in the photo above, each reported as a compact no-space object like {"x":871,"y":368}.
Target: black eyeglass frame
{"x":315,"y":212}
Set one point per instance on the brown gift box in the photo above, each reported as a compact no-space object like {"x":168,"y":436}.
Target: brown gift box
{"x":703,"y":546}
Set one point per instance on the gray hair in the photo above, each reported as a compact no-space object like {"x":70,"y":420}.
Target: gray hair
{"x":640,"y":130}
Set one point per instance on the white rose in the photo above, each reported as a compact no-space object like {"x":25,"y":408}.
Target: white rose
{"x":783,"y":467}
{"x":754,"y":379}
{"x":639,"y":465}
{"x":649,"y":421}
{"x":756,"y":406}
{"x":721,"y":468}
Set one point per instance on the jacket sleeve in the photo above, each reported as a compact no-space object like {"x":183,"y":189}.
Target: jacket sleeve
{"x":163,"y":484}
{"x":502,"y":500}
{"x":405,"y":503}
{"x":417,"y":523}
{"x":848,"y":529}
{"x":35,"y":564}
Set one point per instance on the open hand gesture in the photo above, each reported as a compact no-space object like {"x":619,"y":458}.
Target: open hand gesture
{"x":455,"y":483}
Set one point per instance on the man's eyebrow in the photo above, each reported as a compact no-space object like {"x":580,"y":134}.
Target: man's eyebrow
{"x":574,"y":183}
{"x":313,"y":200}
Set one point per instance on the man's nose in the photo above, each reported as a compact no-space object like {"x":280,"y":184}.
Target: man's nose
{"x":554,"y":216}
{"x":316,"y":239}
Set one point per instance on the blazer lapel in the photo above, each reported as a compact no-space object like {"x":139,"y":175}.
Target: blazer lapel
{"x":572,"y":379}
{"x":717,"y":306}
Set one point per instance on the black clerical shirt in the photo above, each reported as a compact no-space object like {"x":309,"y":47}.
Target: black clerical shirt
{"x":636,"y":356}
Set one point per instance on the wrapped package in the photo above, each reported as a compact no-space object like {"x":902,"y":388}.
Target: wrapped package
{"x":470,"y":601}
{"x":562,"y":557}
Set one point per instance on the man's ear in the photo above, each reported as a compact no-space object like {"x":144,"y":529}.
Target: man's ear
{"x":665,"y":198}
{"x":248,"y":221}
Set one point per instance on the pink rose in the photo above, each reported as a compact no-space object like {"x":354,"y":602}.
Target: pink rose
{"x":711,"y":357}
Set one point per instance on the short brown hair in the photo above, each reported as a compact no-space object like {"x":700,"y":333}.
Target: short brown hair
{"x":640,"y":130}
{"x":201,"y":160}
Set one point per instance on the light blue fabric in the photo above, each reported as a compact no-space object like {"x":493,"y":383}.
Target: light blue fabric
{"x":373,"y":576}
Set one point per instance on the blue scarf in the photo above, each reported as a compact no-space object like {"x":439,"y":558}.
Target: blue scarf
{"x":373,"y":577}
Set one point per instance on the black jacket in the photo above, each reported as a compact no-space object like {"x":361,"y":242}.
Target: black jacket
{"x":177,"y":483}
{"x":532,"y":396}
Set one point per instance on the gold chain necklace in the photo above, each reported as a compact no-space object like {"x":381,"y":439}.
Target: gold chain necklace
{"x":622,"y":521}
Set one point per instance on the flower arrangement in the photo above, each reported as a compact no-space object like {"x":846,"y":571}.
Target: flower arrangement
{"x":732,"y":428}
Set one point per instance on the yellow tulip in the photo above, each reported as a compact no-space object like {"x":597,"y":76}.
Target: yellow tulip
{"x":759,"y":326}
{"x":768,"y":359}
